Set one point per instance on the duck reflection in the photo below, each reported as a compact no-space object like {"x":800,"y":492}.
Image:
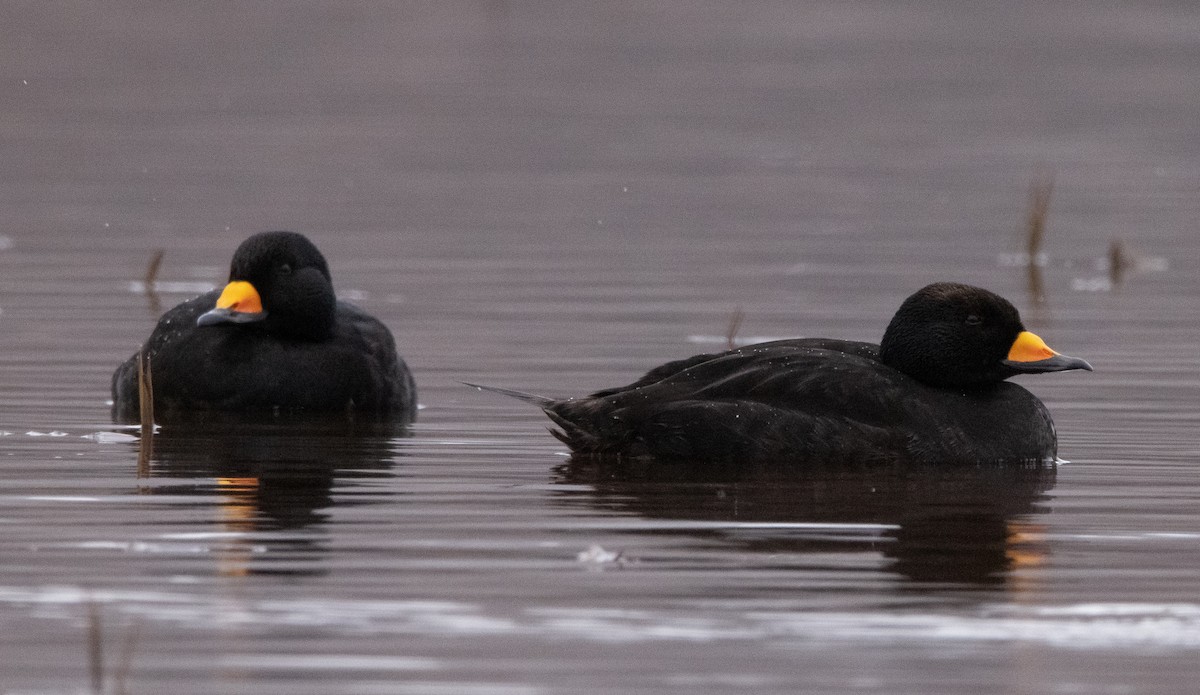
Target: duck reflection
{"x":963,"y":525}
{"x":271,"y":482}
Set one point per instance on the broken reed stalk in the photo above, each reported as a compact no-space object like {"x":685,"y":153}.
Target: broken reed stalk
{"x":1035,"y":234}
{"x":152,"y":269}
{"x":735,"y":323}
{"x":150,"y":280}
{"x":1035,"y":221}
{"x":1119,"y":261}
{"x":146,"y":406}
{"x":121,"y":675}
{"x":1035,"y":284}
{"x":95,"y":637}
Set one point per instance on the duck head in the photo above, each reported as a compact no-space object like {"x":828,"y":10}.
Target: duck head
{"x":280,"y":281}
{"x":954,"y":335}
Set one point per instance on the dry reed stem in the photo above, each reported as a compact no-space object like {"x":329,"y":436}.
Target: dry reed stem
{"x":1035,"y":234}
{"x":150,"y":280}
{"x":95,"y":638}
{"x":152,"y":268}
{"x":1039,"y":209}
{"x":735,"y":323}
{"x":121,"y":675}
{"x":146,"y":406}
{"x":1119,"y":261}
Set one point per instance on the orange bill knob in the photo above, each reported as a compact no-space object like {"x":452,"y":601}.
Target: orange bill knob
{"x":1029,"y":354}
{"x":239,"y":303}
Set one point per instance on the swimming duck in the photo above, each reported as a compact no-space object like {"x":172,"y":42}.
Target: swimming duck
{"x":274,"y":340}
{"x":933,"y":390}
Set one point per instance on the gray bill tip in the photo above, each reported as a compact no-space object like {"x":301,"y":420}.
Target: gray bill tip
{"x":1058,"y":363}
{"x":222,"y":315}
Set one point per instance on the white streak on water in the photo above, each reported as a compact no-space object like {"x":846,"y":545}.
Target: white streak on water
{"x":738,"y":340}
{"x":60,"y":498}
{"x":1084,"y":626}
{"x":328,"y":662}
{"x":110,"y":437}
{"x":169,"y":287}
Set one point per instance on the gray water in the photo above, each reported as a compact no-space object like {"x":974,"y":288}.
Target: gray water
{"x":557,"y":197}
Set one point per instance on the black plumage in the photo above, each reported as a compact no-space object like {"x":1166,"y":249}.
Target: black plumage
{"x":934,"y":390}
{"x":275,"y":340}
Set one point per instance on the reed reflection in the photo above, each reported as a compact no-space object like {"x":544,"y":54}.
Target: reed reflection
{"x":271,"y":483}
{"x":971,"y":526}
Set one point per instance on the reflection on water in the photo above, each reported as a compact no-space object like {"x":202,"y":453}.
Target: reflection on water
{"x":965,"y":525}
{"x":558,"y":195}
{"x":270,"y":477}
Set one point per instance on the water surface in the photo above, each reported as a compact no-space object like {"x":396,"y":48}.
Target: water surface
{"x":557,"y":197}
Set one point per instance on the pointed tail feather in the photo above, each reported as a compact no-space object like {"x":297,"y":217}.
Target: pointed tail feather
{"x":533,"y":399}
{"x":572,"y":434}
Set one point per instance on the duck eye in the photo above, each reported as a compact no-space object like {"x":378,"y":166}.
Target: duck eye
{"x":285,"y":269}
{"x":974,"y":320}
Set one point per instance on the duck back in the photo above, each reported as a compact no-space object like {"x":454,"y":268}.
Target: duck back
{"x":246,"y":369}
{"x":805,"y":400}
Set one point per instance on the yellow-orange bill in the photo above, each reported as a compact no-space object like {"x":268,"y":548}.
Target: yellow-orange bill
{"x":1028,"y":347}
{"x":240,"y":295}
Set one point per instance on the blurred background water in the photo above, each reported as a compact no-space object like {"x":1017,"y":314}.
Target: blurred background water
{"x":557,"y":197}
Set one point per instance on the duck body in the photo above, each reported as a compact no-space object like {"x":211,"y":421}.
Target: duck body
{"x":933,"y":391}
{"x":809,"y":400}
{"x":318,"y":356}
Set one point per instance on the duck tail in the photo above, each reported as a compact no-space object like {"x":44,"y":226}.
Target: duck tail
{"x":572,"y":434}
{"x":569,"y":433}
{"x":533,"y":399}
